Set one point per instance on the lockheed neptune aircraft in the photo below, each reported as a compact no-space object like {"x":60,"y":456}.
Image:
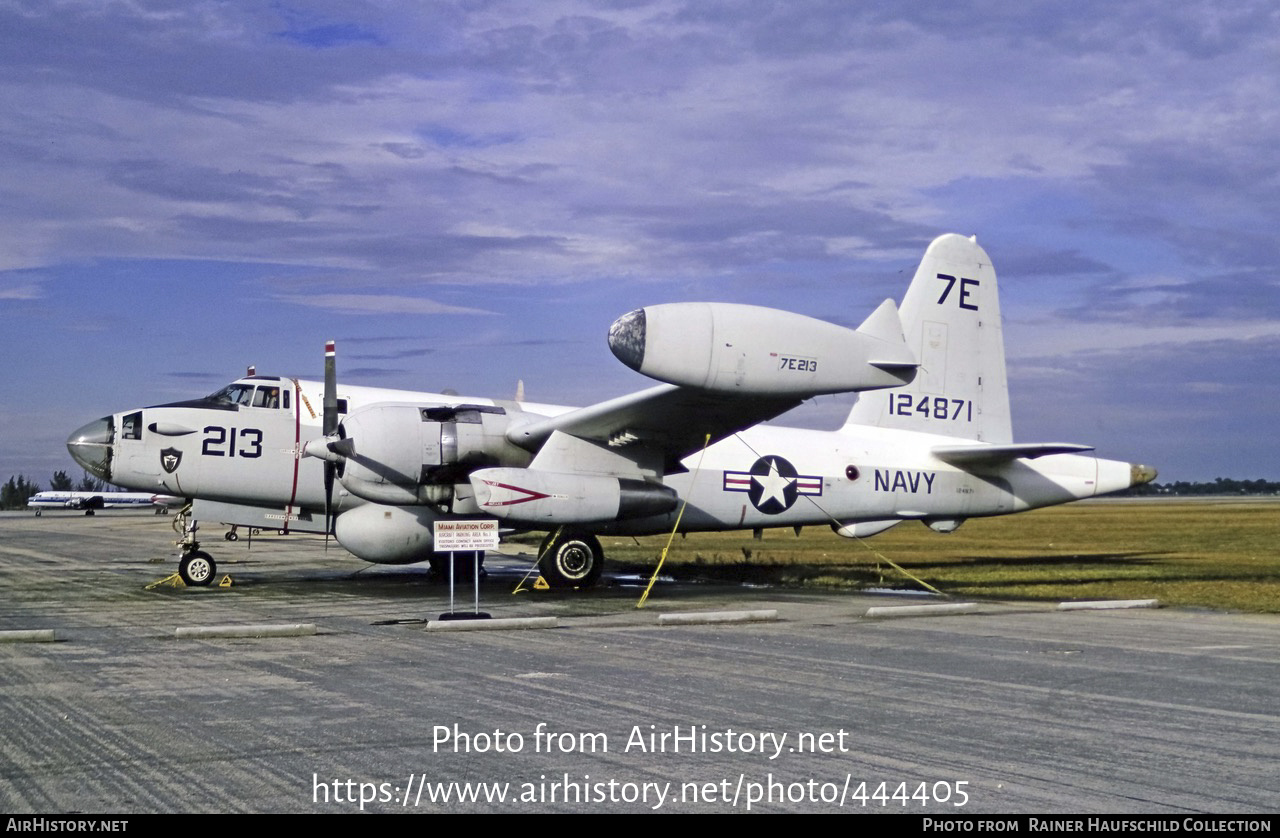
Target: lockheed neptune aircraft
{"x":377,"y":467}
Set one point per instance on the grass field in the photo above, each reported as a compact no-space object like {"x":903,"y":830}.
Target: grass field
{"x":1220,"y":553}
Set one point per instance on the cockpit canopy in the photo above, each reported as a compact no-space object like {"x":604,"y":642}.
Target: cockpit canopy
{"x":252,"y":394}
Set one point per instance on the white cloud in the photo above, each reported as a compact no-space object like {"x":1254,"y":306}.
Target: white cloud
{"x":376,"y":304}
{"x":20,"y":291}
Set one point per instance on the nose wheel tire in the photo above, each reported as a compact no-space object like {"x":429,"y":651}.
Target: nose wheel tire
{"x":197,"y":569}
{"x":571,"y":560}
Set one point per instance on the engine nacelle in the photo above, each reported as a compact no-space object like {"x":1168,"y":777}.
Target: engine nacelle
{"x":731,"y":348}
{"x":387,"y":534}
{"x":532,"y":496}
{"x":405,"y":454}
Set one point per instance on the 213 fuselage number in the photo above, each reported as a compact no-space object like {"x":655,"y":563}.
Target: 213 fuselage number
{"x":229,"y":442}
{"x":930,"y":407}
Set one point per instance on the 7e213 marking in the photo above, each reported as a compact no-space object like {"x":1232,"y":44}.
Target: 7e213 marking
{"x":930,"y":407}
{"x":786,"y":362}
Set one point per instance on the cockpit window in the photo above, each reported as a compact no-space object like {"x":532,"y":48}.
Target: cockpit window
{"x":131,"y":426}
{"x":267,"y":397}
{"x":234,"y":394}
{"x":247,"y":395}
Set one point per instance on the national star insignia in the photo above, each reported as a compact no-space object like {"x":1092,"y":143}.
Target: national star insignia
{"x":773,"y":486}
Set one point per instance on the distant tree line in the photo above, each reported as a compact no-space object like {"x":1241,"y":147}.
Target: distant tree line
{"x":16,"y":493}
{"x":1219,"y":486}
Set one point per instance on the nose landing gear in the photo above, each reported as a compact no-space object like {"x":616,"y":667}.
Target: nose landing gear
{"x":196,"y":567}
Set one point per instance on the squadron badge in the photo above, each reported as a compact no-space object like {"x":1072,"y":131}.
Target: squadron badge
{"x":169,"y":460}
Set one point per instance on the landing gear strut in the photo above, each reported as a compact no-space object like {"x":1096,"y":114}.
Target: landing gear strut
{"x":196,"y":567}
{"x":571,"y":559}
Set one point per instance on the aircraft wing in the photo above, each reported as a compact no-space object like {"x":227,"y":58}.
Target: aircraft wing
{"x":667,"y":421}
{"x":993,"y":455}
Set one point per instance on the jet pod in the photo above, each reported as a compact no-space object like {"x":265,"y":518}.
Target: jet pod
{"x":741,"y":349}
{"x":533,"y":496}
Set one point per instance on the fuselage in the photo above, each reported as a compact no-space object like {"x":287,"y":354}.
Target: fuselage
{"x":776,"y":476}
{"x":244,"y":446}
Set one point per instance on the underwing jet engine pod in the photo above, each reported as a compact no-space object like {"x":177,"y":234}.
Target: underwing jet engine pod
{"x":929,"y":438}
{"x":728,"y":348}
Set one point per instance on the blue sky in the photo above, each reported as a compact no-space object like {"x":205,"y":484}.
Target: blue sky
{"x":467,"y":194}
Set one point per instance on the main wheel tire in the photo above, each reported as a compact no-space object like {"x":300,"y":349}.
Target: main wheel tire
{"x":573,"y":560}
{"x":197,"y":568}
{"x":231,"y":535}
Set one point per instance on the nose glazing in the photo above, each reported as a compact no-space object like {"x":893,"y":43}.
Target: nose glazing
{"x":90,"y":446}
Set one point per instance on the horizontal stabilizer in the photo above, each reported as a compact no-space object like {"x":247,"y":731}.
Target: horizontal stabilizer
{"x":885,"y":326}
{"x":992,"y":455}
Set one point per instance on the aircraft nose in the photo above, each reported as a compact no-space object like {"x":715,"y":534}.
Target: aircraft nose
{"x":90,"y":446}
{"x":1140,"y":474}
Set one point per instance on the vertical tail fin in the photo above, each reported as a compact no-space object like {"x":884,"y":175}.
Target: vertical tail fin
{"x":951,"y":317}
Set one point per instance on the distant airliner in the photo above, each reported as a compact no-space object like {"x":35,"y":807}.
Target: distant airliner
{"x":90,"y":501}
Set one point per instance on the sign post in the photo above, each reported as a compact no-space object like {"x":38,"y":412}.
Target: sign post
{"x":475,"y":537}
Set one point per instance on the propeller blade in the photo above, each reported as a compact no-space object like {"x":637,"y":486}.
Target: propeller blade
{"x":330,"y":424}
{"x":330,"y":388}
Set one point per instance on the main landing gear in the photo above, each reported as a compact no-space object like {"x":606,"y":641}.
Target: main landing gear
{"x":571,"y":558}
